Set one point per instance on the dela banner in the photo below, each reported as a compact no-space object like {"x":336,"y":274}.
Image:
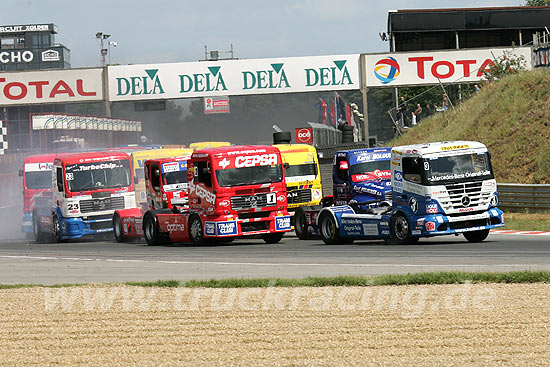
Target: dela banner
{"x":233,"y":77}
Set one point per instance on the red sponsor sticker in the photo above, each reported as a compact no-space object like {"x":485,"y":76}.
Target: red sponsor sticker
{"x":430,"y":226}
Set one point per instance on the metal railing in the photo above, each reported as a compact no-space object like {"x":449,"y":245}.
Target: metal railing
{"x":520,"y":196}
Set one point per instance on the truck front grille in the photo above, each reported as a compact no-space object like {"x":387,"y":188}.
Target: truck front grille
{"x":98,"y":205}
{"x":471,"y":190}
{"x":298,"y":196}
{"x":248,"y":201}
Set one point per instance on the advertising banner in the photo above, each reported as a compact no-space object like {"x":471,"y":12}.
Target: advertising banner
{"x":430,"y":67}
{"x":51,"y":86}
{"x":233,"y":77}
{"x":304,"y":135}
{"x":216,"y":104}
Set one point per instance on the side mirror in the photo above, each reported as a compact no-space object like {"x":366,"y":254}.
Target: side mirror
{"x":286,"y":165}
{"x":20,"y":173}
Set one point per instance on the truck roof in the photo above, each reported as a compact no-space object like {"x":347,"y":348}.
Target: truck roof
{"x":171,"y":159}
{"x":350,"y":152}
{"x":40,"y":158}
{"x":295,"y":148}
{"x":439,"y":147}
{"x":235,"y":150}
{"x":72,"y":158}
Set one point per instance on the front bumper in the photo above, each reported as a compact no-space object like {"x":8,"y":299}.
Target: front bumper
{"x":440,"y":224}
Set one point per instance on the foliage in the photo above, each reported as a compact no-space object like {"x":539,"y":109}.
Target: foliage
{"x":537,"y":2}
{"x":508,"y":63}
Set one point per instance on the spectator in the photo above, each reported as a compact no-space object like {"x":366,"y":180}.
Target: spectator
{"x":445,"y":102}
{"x":476,"y":88}
{"x":418,"y":112}
{"x":429,"y":109}
{"x":413,"y":119}
{"x":402,"y":112}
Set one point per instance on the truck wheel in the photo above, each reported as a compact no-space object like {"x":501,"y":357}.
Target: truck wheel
{"x":476,"y":236}
{"x":39,"y":235}
{"x":273,"y":237}
{"x":56,"y":229}
{"x":117,"y":228}
{"x":300,"y":226}
{"x":151,"y":230}
{"x":329,"y":231}
{"x":195,"y":230}
{"x":401,"y":231}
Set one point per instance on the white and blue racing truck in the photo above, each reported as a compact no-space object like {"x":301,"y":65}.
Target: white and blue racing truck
{"x":437,"y":189}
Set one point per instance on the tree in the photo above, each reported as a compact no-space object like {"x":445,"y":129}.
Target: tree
{"x":508,"y":63}
{"x":537,"y":2}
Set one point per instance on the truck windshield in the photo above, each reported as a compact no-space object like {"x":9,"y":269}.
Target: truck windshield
{"x":458,"y":168}
{"x":301,"y":172}
{"x":100,"y":175}
{"x":38,"y":180}
{"x":370,"y":170}
{"x":174,"y":181}
{"x":249,"y":175}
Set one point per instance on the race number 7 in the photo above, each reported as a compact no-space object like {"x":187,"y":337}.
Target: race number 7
{"x":271,"y":198}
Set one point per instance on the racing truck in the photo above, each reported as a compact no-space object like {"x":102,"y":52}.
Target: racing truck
{"x":437,"y":189}
{"x":37,"y":187}
{"x":302,"y":174}
{"x":87,"y":189}
{"x":165,"y":188}
{"x":233,"y":191}
{"x":359,"y":175}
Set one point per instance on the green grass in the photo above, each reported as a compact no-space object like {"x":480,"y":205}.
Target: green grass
{"x":445,"y":277}
{"x":527,"y":221}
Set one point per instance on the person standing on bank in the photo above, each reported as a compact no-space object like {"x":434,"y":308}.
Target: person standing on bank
{"x":402,"y":110}
{"x":418,"y":112}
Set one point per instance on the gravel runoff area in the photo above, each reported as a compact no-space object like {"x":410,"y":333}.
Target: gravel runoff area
{"x":433,"y":325}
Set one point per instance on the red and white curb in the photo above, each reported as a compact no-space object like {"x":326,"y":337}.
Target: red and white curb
{"x":509,"y":231}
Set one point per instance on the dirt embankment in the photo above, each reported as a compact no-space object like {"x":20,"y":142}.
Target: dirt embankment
{"x":438,"y":325}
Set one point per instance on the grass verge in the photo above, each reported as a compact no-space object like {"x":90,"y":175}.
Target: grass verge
{"x":455,"y":277}
{"x":527,"y":221}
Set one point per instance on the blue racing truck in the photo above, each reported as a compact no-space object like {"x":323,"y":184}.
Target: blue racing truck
{"x":438,"y":189}
{"x":358,"y":175}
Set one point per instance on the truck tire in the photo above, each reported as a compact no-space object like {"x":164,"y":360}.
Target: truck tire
{"x":56,"y":229}
{"x":329,"y":231}
{"x":151,"y":230}
{"x":300,"y":226}
{"x":400,"y":231}
{"x":39,"y":235}
{"x":195,"y":230}
{"x":476,"y":236}
{"x":273,"y":237}
{"x":117,"y":228}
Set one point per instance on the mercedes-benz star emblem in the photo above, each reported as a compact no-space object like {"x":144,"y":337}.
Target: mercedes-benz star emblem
{"x":465,"y":201}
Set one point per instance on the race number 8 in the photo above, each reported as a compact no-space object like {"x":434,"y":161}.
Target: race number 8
{"x":271,"y":198}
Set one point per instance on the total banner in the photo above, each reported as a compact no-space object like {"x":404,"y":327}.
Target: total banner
{"x":432,"y":67}
{"x":233,"y":77}
{"x":51,"y":86}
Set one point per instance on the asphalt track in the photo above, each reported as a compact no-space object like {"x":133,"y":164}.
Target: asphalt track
{"x":92,"y":261}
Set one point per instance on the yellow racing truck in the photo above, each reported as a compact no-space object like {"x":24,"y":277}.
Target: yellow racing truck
{"x":138,"y":162}
{"x":303,"y":176}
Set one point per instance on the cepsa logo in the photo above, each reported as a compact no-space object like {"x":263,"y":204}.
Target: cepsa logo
{"x":386,"y":70}
{"x":256,"y":160}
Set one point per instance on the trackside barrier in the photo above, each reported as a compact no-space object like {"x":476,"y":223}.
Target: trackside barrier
{"x":521,"y":196}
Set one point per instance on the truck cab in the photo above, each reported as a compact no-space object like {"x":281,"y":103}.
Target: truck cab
{"x":234,"y":191}
{"x":87,"y":188}
{"x":362,"y":175}
{"x":37,"y":187}
{"x":438,"y":188}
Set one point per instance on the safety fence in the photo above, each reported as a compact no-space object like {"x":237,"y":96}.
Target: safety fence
{"x":520,"y":196}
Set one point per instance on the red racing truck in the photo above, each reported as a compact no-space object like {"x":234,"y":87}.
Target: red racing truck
{"x":234,"y":191}
{"x":37,"y":187}
{"x":165,"y":188}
